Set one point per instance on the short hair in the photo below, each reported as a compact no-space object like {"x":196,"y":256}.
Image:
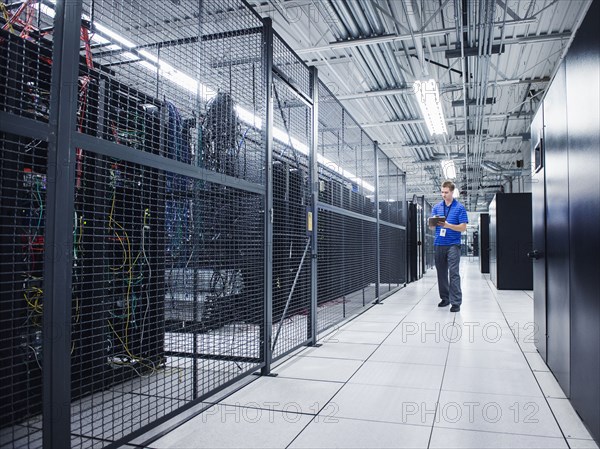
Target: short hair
{"x":449,"y":184}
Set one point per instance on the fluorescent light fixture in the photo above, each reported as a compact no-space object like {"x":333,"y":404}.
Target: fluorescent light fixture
{"x":117,"y":37}
{"x":448,"y":169}
{"x":428,"y":98}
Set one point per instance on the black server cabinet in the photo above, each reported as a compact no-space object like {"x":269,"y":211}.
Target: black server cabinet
{"x":583,"y":79}
{"x":510,"y":241}
{"x":412,"y":247}
{"x":484,"y":243}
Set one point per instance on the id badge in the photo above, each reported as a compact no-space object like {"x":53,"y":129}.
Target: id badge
{"x":443,"y":232}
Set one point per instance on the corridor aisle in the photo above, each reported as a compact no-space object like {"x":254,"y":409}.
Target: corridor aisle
{"x":405,"y":374}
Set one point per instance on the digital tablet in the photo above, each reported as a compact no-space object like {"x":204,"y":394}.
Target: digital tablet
{"x":433,"y":221}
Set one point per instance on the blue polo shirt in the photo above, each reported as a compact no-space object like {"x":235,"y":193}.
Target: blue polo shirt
{"x":455,"y":214}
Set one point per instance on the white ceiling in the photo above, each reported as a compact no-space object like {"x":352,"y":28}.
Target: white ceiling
{"x":369,"y":52}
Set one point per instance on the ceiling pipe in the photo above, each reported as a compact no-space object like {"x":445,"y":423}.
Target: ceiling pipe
{"x":361,"y":19}
{"x":414,"y":18}
{"x":497,"y":169}
{"x":373,"y":18}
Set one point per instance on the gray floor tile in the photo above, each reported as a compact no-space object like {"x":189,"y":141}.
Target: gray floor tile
{"x":236,"y":427}
{"x":338,"y":350}
{"x":495,"y":381}
{"x":496,"y":413}
{"x":549,"y":385}
{"x":486,"y":359}
{"x":347,"y":433}
{"x":380,"y":316}
{"x":470,"y":439}
{"x":343,"y":336}
{"x":536,"y":362}
{"x":386,"y":404}
{"x":421,"y":333}
{"x":399,"y":375}
{"x":581,"y":444}
{"x":410,"y":354}
{"x":568,"y":420}
{"x":280,"y":393}
{"x":367,"y":326}
{"x":319,"y":368}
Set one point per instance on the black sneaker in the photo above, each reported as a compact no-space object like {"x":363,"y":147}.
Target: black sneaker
{"x":443,"y":303}
{"x":455,"y":309}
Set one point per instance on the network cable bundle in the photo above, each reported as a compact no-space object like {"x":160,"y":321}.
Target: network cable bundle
{"x":128,"y":218}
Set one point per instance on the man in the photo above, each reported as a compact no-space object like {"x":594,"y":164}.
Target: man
{"x":447,"y":246}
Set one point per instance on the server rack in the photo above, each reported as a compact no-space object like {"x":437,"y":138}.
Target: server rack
{"x":510,"y":268}
{"x":484,"y":243}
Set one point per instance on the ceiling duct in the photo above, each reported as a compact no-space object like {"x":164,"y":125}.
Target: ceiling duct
{"x":497,"y":169}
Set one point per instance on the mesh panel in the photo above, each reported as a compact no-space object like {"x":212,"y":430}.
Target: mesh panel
{"x":291,"y":198}
{"x":290,"y":68}
{"x":167,"y":292}
{"x":25,"y":58}
{"x":347,"y":270}
{"x":168,"y":274}
{"x":201,"y":59}
{"x":22,"y":233}
{"x":392,"y":246}
{"x":25,"y":79}
{"x":392,"y":215}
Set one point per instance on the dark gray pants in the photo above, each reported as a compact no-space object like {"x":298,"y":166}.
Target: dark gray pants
{"x":447,"y":261}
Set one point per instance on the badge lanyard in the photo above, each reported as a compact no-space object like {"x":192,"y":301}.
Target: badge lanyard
{"x":443,"y":230}
{"x":449,"y":207}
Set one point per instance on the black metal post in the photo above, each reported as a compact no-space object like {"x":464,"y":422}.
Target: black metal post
{"x":56,"y":406}
{"x":377,"y":231}
{"x":268,"y":204}
{"x":314,"y":185}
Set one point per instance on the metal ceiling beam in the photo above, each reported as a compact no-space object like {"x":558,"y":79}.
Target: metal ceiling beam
{"x":393,"y":122}
{"x":471,"y":102}
{"x":443,"y":89}
{"x":473,"y":51}
{"x":396,"y":146}
{"x":491,"y":117}
{"x":471,"y":132}
{"x":515,"y":40}
{"x":377,"y":93}
{"x":374,"y":40}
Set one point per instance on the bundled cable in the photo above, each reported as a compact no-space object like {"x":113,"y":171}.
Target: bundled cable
{"x":220,"y":131}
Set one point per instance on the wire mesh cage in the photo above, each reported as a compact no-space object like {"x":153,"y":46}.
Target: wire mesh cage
{"x":166,"y":268}
{"x":165,"y":225}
